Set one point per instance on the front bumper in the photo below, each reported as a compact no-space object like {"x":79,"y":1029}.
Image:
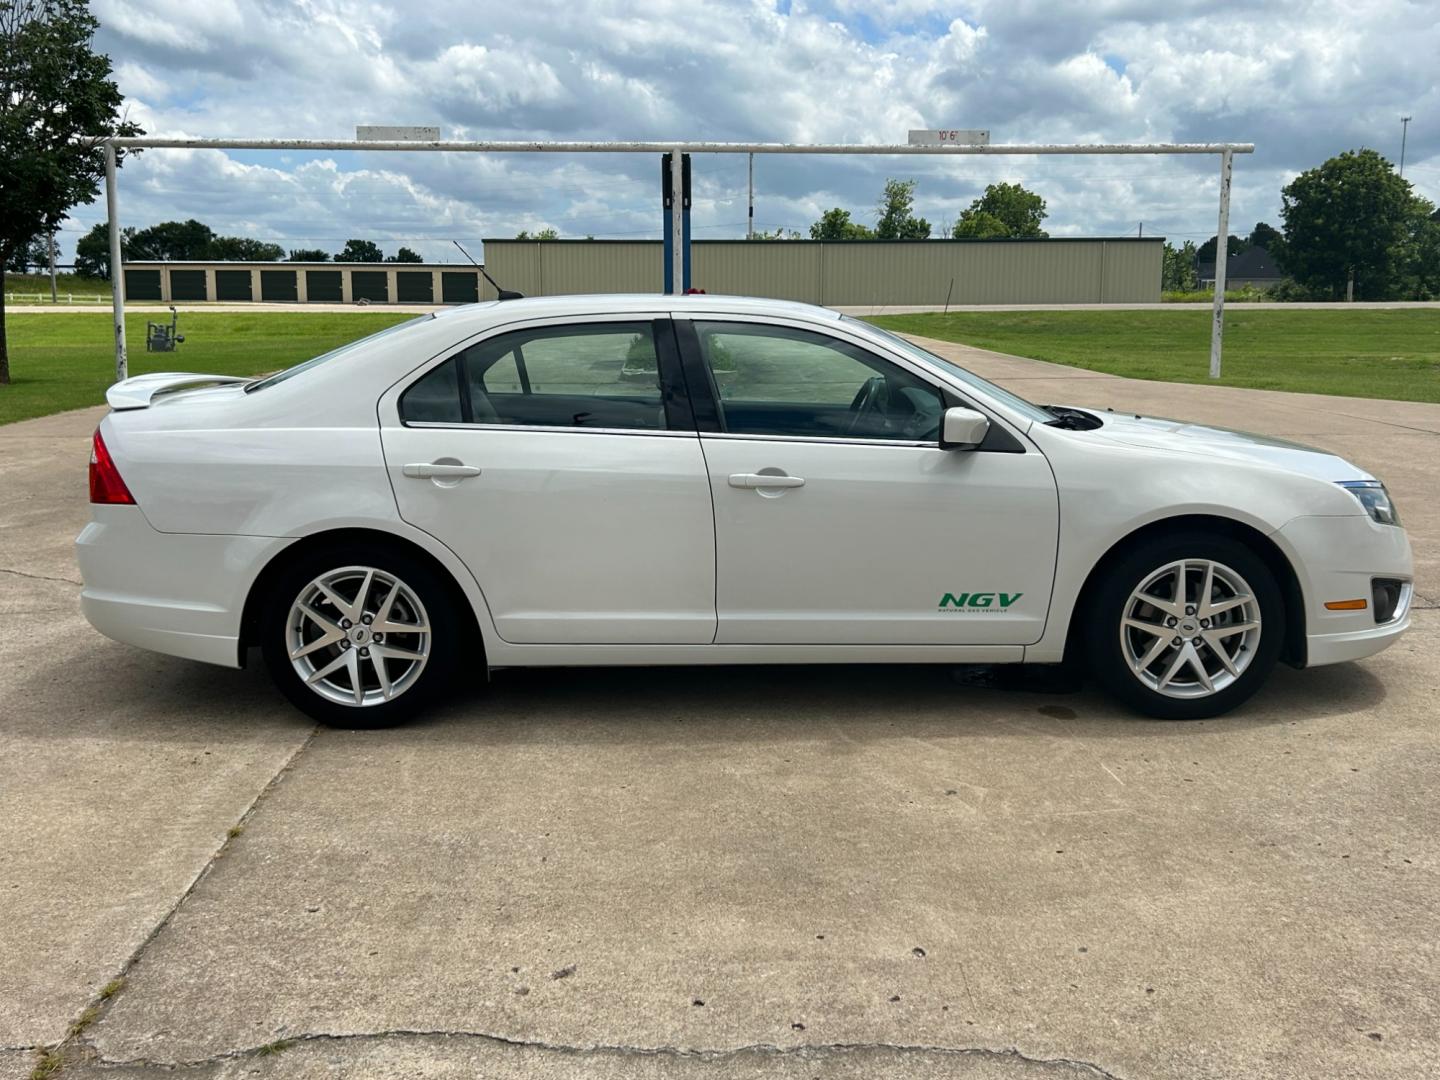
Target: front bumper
{"x":1336,"y":559}
{"x":182,"y":594}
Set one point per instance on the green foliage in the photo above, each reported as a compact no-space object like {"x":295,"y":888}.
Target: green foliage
{"x":1419,"y":253}
{"x":92,"y":251}
{"x":1005,"y":210}
{"x":175,"y":241}
{"x":57,"y":104}
{"x":1177,"y":268}
{"x":36,"y":253}
{"x":780,"y":233}
{"x":309,"y":255}
{"x":539,"y":234}
{"x":979,"y":225}
{"x":405,"y":255}
{"x":1234,"y":246}
{"x":245,"y":249}
{"x":1266,"y":236}
{"x":1350,"y":216}
{"x":835,"y":224}
{"x":896,"y":219}
{"x":366,"y":251}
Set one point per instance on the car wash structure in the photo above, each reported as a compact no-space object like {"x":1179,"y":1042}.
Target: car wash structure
{"x":675,"y":158}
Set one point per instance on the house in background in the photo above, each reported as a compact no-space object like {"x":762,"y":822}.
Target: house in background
{"x":1252,"y":267}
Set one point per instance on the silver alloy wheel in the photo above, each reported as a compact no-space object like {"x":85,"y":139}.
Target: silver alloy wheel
{"x":358,"y":636}
{"x":1190,"y":629}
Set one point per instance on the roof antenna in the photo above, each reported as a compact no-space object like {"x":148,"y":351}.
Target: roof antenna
{"x":501,"y":294}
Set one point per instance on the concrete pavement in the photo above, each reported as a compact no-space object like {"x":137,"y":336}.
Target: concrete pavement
{"x":837,"y":872}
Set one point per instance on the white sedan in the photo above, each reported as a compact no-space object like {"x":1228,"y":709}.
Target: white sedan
{"x":709,"y":480}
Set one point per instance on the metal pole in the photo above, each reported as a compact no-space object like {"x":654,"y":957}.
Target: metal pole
{"x":117,"y":270}
{"x":750,"y":220}
{"x":1222,"y":251}
{"x":54,"y":295}
{"x":677,"y":220}
{"x":1404,"y":130}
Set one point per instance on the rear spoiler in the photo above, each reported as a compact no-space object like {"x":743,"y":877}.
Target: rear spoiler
{"x":138,"y":392}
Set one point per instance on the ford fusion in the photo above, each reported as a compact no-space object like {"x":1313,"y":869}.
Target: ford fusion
{"x":707,"y":480}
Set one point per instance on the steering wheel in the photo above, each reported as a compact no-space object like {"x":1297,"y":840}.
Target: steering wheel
{"x":871,"y":397}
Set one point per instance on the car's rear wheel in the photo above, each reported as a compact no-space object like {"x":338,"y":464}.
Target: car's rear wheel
{"x":360,"y":637}
{"x":1185,"y":626}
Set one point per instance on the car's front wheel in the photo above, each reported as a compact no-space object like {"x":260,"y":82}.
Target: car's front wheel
{"x":1185,"y":626}
{"x":360,"y":637}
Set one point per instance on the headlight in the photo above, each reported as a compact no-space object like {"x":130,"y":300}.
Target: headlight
{"x":1374,"y":498}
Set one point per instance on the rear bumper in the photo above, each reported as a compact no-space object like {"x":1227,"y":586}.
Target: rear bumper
{"x":182,"y":594}
{"x":1337,"y":559}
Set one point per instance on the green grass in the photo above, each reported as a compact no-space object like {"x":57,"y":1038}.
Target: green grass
{"x":60,"y":362}
{"x":88,"y":290}
{"x":1374,"y":354}
{"x":1248,"y":294}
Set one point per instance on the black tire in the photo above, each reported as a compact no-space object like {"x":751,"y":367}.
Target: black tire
{"x":420,"y":686}
{"x":1109,"y":601}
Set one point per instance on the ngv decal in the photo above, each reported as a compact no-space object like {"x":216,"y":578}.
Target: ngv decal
{"x":978,"y":601}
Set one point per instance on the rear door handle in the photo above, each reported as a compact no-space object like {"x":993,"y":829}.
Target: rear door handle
{"x":765,"y":480}
{"x":427,"y":470}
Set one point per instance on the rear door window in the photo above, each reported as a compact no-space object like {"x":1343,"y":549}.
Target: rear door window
{"x":590,"y":375}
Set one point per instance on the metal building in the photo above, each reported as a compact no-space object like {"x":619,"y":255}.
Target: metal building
{"x":849,"y":272}
{"x":835,"y":273}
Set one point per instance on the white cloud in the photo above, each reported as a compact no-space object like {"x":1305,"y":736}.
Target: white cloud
{"x":1303,"y":82}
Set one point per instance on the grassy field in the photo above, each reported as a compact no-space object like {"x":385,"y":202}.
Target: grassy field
{"x":65,"y":361}
{"x":1375,"y":354}
{"x":87,"y":290}
{"x":62,"y":362}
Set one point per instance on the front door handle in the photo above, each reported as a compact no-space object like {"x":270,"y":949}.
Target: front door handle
{"x":765,"y":480}
{"x":429,"y":470}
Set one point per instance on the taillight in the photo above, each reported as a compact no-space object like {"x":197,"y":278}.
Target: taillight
{"x":105,"y":483}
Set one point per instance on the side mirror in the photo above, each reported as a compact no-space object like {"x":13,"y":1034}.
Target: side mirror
{"x":963,"y":429}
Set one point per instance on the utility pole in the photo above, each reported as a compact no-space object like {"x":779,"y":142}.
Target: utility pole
{"x":54,"y":296}
{"x":750,"y":220}
{"x":1404,"y":130}
{"x":1141,"y":230}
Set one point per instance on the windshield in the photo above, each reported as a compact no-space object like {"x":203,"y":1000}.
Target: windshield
{"x":281,"y":376}
{"x":969,"y":378}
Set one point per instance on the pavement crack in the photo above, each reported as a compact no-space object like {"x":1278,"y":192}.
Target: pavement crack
{"x":76,"y":1037}
{"x":718,"y":1055}
{"x":42,"y":577}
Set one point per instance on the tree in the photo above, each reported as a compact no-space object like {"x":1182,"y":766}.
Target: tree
{"x":244,"y":249}
{"x":836,"y":225}
{"x":1005,"y":210}
{"x":57,"y":104}
{"x":539,"y":234}
{"x":309,"y":255}
{"x":172,"y":241}
{"x":1421,"y":253}
{"x":1266,"y":236}
{"x":1177,"y":268}
{"x":92,"y":251}
{"x":405,"y":255}
{"x":360,"y":251}
{"x":1234,"y":246}
{"x":1350,"y":217}
{"x":34,"y":254}
{"x":896,"y":221}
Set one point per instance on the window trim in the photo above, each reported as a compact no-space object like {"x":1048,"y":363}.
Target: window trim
{"x":698,"y":370}
{"x":674,"y":395}
{"x":1008,"y":436}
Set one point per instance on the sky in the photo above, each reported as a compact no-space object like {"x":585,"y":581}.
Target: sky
{"x":1301,"y":80}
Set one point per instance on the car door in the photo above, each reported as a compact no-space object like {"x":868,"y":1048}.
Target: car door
{"x":560,"y":461}
{"x":838,"y":517}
